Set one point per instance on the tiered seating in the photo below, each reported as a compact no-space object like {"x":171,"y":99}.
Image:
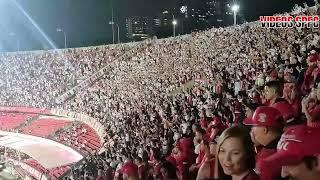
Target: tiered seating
{"x":82,"y":138}
{"x":59,"y":171}
{"x":33,"y":163}
{"x":44,"y":127}
{"x":10,"y":121}
{"x":54,"y":173}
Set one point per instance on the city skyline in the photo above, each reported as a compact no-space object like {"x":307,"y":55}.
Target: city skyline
{"x":34,"y":23}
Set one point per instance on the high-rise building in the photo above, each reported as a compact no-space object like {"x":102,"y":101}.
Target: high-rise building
{"x":138,"y":28}
{"x":157,"y":22}
{"x":205,"y":13}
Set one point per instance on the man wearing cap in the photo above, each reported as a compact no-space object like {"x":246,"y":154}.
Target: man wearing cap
{"x":267,"y":126}
{"x":129,"y":171}
{"x":298,"y":153}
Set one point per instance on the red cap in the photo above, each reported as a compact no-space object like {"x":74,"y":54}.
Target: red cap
{"x":295,"y":144}
{"x":285,"y":109}
{"x":129,"y":168}
{"x":266,"y":116}
{"x":313,"y":58}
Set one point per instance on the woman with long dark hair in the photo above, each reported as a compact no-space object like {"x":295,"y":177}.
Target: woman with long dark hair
{"x":235,"y":155}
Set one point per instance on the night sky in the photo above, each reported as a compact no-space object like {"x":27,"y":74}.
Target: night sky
{"x":34,"y":22}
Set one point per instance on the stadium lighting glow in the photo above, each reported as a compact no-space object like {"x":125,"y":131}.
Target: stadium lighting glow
{"x":174,"y":22}
{"x":235,"y":8}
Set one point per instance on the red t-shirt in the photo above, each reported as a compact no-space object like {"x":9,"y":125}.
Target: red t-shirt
{"x":296,"y":105}
{"x":265,"y":171}
{"x":251,"y":176}
{"x":211,"y":163}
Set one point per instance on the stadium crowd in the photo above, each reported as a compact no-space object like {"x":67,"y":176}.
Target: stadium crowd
{"x":239,"y":102}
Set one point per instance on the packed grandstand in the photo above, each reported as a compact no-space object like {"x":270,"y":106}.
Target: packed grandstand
{"x":158,"y":109}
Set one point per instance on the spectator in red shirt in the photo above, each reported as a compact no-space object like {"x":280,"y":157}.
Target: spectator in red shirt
{"x":298,"y":153}
{"x":144,"y":168}
{"x":290,"y":93}
{"x":309,"y":75}
{"x":235,"y":155}
{"x":267,"y":127}
{"x":311,"y":111}
{"x":206,"y":170}
{"x":199,"y":134}
{"x":273,"y":92}
{"x":216,"y":127}
{"x":129,"y":171}
{"x":185,"y":156}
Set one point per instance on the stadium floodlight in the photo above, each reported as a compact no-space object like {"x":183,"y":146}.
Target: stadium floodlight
{"x":174,"y":23}
{"x":65,"y":36}
{"x":113,"y":23}
{"x":235,"y":8}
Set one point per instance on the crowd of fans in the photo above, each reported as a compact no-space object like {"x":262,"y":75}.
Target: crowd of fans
{"x":239,"y":102}
{"x":35,"y":79}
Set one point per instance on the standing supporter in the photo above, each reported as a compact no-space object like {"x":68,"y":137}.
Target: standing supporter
{"x":267,"y":127}
{"x":273,"y":92}
{"x":309,"y":74}
{"x":298,"y":153}
{"x":144,"y":167}
{"x":184,"y":157}
{"x":199,"y":135}
{"x":129,"y":171}
{"x":235,"y":155}
{"x":291,"y":94}
{"x":311,"y":108}
{"x":207,"y":168}
{"x":216,"y":127}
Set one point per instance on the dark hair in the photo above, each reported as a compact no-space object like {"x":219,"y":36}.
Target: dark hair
{"x":200,"y":130}
{"x":145,"y":156}
{"x":276,"y":85}
{"x":309,"y":161}
{"x":278,"y":131}
{"x":243,"y":135}
{"x":156,"y":154}
{"x":139,"y":159}
{"x":170,"y":169}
